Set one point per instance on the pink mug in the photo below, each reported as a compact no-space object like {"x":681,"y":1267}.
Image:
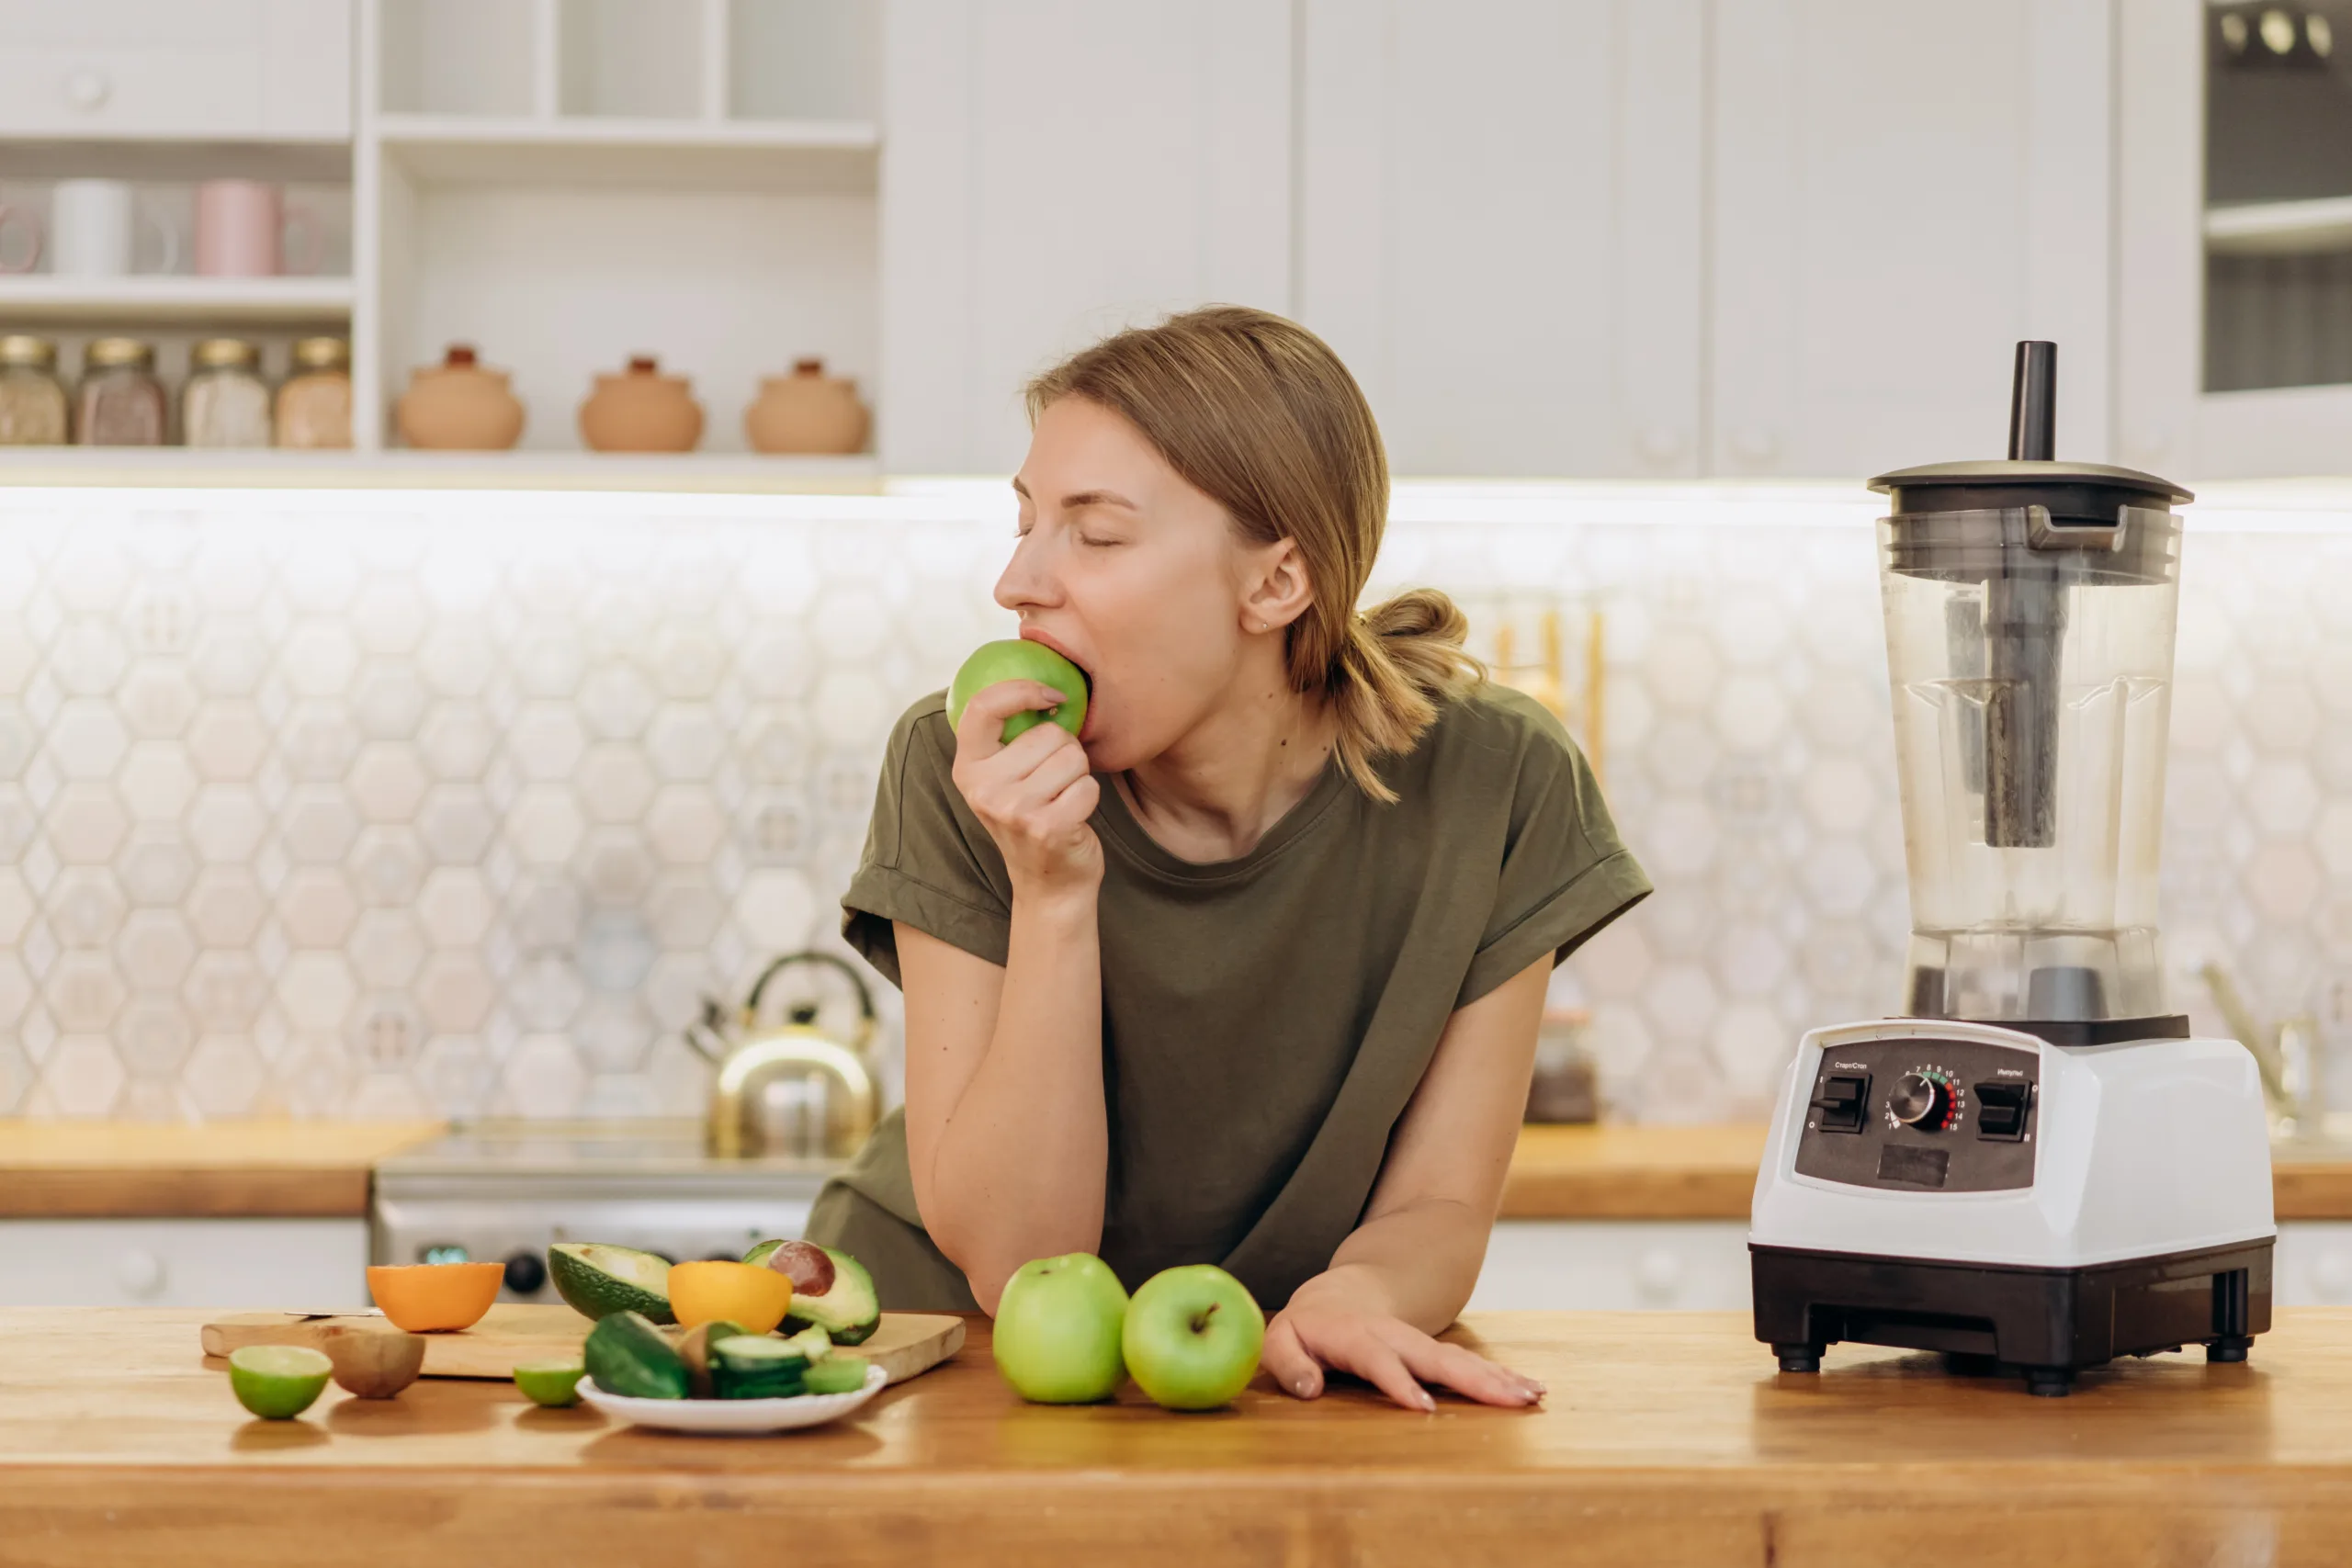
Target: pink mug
{"x":241,"y":227}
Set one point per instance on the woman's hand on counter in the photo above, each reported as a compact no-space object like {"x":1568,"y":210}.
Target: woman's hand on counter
{"x":1033,"y":795}
{"x":1323,"y":1329}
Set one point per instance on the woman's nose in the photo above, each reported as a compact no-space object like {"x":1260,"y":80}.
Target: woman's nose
{"x":1028,"y":580}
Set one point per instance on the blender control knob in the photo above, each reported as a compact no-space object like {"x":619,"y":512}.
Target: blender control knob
{"x":1919,"y":1101}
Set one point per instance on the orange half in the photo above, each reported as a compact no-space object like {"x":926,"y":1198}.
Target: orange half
{"x":426,"y":1297}
{"x":716,"y":1290}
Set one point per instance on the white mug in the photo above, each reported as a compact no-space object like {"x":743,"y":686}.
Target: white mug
{"x":93,"y":230}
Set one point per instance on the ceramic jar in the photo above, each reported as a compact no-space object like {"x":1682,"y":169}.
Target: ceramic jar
{"x":459,"y":405}
{"x":808,"y":412}
{"x":640,"y":409}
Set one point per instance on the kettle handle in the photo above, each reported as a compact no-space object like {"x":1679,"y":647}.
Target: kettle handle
{"x":868,"y":1020}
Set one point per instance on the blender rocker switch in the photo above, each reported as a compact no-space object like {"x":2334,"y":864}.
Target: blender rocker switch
{"x":1843,"y":1096}
{"x":2000,"y":1111}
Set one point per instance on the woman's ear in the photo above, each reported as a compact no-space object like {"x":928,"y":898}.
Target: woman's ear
{"x":1277,"y":592}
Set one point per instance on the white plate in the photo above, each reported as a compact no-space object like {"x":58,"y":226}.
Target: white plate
{"x":739,"y":1417}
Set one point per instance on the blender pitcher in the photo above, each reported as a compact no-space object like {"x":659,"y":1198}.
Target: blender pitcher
{"x":2029,"y":613}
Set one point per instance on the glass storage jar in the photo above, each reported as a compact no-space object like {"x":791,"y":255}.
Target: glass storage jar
{"x":119,"y":402}
{"x":225,"y":402}
{"x":32,"y":400}
{"x":314,"y":405}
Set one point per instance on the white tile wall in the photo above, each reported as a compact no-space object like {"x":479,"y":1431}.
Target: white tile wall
{"x":381,"y":805}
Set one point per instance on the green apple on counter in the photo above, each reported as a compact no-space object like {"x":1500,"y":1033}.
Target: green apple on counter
{"x":1017,"y":659}
{"x":1192,"y":1336}
{"x":1057,"y":1330}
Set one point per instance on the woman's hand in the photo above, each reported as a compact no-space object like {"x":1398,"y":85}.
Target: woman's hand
{"x":1035,"y":795}
{"x":1328,"y":1327}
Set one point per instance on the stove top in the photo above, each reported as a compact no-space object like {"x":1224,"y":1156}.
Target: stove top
{"x":510,"y":1189}
{"x":645,"y":1158}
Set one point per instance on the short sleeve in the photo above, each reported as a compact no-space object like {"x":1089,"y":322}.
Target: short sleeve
{"x":1565,"y":874}
{"x":928,"y":861}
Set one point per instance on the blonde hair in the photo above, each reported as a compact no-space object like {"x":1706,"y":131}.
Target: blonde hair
{"x":1259,"y":414}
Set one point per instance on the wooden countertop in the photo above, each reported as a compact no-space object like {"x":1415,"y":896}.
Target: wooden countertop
{"x":1667,"y":1439}
{"x":1709,"y":1173}
{"x":277,"y":1169}
{"x":1633,"y":1173}
{"x":60,"y":1169}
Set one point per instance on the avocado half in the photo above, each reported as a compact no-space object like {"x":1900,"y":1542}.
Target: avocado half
{"x":598,"y":1280}
{"x":830,"y":1290}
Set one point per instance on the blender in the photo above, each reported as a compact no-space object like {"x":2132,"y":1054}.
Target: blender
{"x":2037,"y":1169}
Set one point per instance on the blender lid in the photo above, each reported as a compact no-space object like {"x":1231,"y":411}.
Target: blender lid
{"x":2029,"y":476}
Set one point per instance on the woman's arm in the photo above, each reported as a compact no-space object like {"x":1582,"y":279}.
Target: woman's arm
{"x":1005,"y":1126}
{"x":1007,"y":1138}
{"x":1408,"y":1269}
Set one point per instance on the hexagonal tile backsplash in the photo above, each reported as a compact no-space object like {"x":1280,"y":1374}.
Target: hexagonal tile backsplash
{"x":367,"y":805}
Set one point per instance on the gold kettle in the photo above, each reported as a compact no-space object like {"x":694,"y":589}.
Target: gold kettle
{"x":788,"y":1090}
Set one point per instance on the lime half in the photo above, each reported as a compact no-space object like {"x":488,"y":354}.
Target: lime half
{"x":552,"y":1383}
{"x":278,"y":1383}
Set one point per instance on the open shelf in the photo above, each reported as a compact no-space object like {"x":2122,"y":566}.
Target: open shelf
{"x":458,"y":149}
{"x":174,"y":299}
{"x":690,"y":472}
{"x":2280,"y":228}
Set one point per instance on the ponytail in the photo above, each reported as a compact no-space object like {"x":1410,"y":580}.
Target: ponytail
{"x":1395,"y":664}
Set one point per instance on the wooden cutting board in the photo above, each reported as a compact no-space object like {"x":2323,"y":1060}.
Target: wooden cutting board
{"x":515,"y":1333}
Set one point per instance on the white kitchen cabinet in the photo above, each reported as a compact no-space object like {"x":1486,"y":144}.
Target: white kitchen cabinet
{"x":1694,"y":1264}
{"x":246,"y":70}
{"x":1500,"y":227}
{"x":2166,"y":420}
{"x":299,"y":1265}
{"x":2313,"y":1264}
{"x":1053,"y":171}
{"x":1614,"y":1266}
{"x":1899,"y":192}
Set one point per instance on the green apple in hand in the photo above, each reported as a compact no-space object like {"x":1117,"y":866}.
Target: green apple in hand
{"x":1017,"y":659}
{"x":1192,"y":1336}
{"x":1057,"y":1330}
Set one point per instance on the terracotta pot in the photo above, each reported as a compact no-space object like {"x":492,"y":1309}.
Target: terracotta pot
{"x":640,"y":409}
{"x":808,"y":412}
{"x":459,"y":406}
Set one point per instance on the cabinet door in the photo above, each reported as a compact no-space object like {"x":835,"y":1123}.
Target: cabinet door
{"x":200,"y":68}
{"x":244,"y":1263}
{"x":1500,"y":227}
{"x":2166,"y":419}
{"x":1901,"y":191}
{"x":1053,"y":172}
{"x":1614,"y":1266}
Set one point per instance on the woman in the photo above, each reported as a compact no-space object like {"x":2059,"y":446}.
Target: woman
{"x":1249,"y":972}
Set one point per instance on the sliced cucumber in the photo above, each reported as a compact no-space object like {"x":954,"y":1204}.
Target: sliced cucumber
{"x":836,"y":1374}
{"x":627,"y":1355}
{"x":758,"y":1367}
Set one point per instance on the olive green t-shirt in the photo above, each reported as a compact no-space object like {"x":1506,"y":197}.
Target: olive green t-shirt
{"x":1265,"y":1019}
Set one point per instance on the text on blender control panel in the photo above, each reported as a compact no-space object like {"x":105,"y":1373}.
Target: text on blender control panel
{"x":1923,"y":1115}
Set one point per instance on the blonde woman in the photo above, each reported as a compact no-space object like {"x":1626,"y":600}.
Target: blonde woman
{"x":1249,"y":972}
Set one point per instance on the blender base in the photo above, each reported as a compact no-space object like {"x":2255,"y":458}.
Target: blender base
{"x":2046,"y":1324}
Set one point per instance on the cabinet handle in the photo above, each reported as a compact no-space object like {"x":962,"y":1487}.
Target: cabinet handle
{"x":1657,"y":1274}
{"x":139,"y":1273}
{"x":87,"y":90}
